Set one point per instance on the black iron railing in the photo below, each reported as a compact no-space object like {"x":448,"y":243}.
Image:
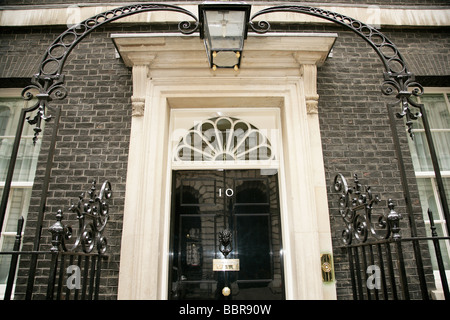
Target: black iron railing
{"x":375,"y":249}
{"x":74,"y":261}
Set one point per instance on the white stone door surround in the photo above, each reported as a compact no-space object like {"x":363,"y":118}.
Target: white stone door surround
{"x":277,"y":80}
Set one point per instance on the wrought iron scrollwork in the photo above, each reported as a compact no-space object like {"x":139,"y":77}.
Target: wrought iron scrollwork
{"x":404,"y":88}
{"x":55,"y":56}
{"x":49,"y":81}
{"x":356,"y":209}
{"x":92,"y":215}
{"x":387,"y":51}
{"x":397,"y":79}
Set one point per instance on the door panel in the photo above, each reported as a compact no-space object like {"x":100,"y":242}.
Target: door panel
{"x":207,"y":202}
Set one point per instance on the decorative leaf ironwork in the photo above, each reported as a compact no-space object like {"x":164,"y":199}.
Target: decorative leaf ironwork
{"x":92,"y":215}
{"x":356,"y":209}
{"x":397,"y":79}
{"x":49,"y":81}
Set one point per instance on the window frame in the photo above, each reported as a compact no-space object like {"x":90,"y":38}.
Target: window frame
{"x":441,"y":223}
{"x":7,"y":235}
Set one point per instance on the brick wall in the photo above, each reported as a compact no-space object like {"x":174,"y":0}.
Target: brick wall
{"x":96,"y":116}
{"x":356,"y":136}
{"x":92,"y":143}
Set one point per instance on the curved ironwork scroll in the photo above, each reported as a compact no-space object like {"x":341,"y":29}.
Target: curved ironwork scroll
{"x":49,"y":81}
{"x":397,"y":78}
{"x":56,"y":54}
{"x":356,"y":209}
{"x":92,"y":215}
{"x":398,"y":81}
{"x":392,"y":59}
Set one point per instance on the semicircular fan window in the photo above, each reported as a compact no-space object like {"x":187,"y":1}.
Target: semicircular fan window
{"x":224,"y":139}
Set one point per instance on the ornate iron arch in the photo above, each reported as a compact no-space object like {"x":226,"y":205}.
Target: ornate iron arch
{"x":398,"y":80}
{"x":49,"y":80}
{"x":385,"y":48}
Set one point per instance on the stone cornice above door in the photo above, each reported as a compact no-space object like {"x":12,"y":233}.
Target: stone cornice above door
{"x":174,"y":55}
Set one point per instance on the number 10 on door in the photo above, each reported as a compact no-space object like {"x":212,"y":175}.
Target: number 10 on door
{"x":228,"y":192}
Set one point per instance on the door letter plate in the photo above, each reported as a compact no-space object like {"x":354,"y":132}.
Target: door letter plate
{"x":225,"y":264}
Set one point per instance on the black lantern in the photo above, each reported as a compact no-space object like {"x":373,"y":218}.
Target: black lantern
{"x":224,"y":27}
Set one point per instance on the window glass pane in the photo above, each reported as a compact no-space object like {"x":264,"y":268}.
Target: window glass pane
{"x":421,"y":154}
{"x":18,"y":206}
{"x":447,"y":188}
{"x":439,"y":118}
{"x":444,"y":249}
{"x":427,"y":199}
{"x":8,"y":109}
{"x":19,"y":197}
{"x":225,"y":28}
{"x":28,"y":152}
{"x":7,"y":245}
{"x":442,"y":143}
{"x":4,"y":117}
{"x":437,"y":111}
{"x":224,"y":139}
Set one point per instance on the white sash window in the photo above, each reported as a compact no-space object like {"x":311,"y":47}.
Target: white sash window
{"x":20,"y":193}
{"x":437,"y":106}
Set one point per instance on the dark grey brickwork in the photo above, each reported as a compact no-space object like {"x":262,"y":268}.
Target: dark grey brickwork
{"x":356,"y":138}
{"x":355,"y":131}
{"x":92,"y":143}
{"x":96,"y":116}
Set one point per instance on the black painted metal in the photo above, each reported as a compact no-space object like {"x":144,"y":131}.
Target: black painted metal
{"x":390,"y":56}
{"x":92,"y":215}
{"x":361,"y":236}
{"x":398,"y":80}
{"x":49,"y":81}
{"x":42,"y":204}
{"x":86,"y":253}
{"x":12,"y":161}
{"x":14,"y":259}
{"x":407,"y":198}
{"x":437,"y":249}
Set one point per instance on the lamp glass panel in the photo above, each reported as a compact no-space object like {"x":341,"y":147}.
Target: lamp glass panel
{"x":225,"y":29}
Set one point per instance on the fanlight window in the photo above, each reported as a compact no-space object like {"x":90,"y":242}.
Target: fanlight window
{"x":224,"y":139}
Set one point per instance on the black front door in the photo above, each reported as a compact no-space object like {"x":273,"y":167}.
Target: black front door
{"x":207,"y":206}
